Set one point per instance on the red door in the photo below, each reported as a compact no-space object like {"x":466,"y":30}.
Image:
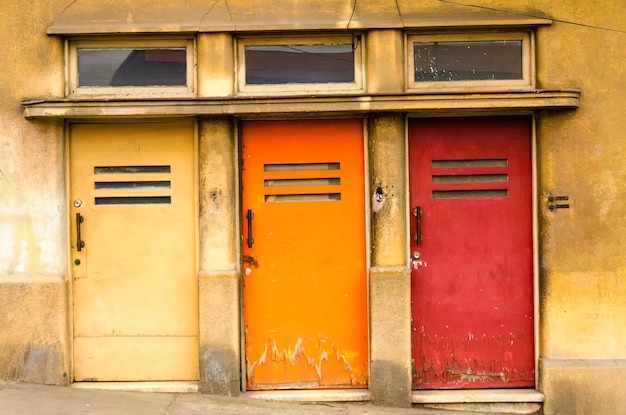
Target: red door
{"x":471,"y":252}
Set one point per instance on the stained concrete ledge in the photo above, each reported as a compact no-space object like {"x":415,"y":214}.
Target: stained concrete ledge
{"x":160,"y":387}
{"x":390,"y":336}
{"x":489,"y":401}
{"x":477,"y":396}
{"x":583,"y":386}
{"x":34,"y":336}
{"x":318,"y":395}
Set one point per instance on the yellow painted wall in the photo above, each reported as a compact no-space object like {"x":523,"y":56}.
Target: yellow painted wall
{"x":581,"y":153}
{"x":33,"y":283}
{"x":31,"y":178}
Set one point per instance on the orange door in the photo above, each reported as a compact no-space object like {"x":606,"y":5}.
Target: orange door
{"x":305,"y":285}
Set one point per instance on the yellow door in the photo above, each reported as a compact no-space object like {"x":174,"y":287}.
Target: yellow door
{"x":305,"y":284}
{"x":133,"y":251}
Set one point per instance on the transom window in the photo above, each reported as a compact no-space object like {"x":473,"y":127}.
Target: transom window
{"x":137,"y":67}
{"x":299,"y":64}
{"x":480,"y":61}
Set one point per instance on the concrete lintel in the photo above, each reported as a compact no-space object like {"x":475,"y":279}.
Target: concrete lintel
{"x":248,"y":107}
{"x":192,"y":16}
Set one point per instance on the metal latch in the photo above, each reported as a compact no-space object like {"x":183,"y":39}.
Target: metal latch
{"x":553,"y":202}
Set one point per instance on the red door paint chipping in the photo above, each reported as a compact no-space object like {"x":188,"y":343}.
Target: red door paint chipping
{"x":472,"y":285}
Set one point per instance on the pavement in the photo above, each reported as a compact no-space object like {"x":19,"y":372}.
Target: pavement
{"x":28,"y":399}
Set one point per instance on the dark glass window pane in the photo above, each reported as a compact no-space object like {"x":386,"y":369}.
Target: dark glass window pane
{"x":473,"y":60}
{"x":299,"y":64}
{"x":132,"y":67}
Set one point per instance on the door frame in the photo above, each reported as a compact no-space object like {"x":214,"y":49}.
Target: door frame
{"x":68,"y":222}
{"x":239,"y":226}
{"x":534,"y":212}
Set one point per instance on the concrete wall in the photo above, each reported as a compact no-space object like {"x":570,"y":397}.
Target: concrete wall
{"x":582,"y":259}
{"x":33,"y":281}
{"x":580,"y":153}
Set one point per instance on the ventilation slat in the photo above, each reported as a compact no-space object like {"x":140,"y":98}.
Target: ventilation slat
{"x":302,"y":190}
{"x":470,"y":163}
{"x":470,"y":178}
{"x":161,"y":184}
{"x":132,"y":185}
{"x":301,"y":167}
{"x":322,"y":197}
{"x":470,"y":186}
{"x":131,"y":169}
{"x":303,"y":182}
{"x":305,"y":174}
{"x":455,"y":194}
{"x":133,"y":200}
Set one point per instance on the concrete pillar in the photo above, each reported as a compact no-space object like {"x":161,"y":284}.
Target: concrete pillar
{"x":390,"y":283}
{"x":216,"y":60}
{"x":384,"y":61}
{"x":219,"y":289}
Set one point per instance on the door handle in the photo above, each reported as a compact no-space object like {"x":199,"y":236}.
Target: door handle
{"x":79,"y":242}
{"x":417,"y":212}
{"x":249,"y":239}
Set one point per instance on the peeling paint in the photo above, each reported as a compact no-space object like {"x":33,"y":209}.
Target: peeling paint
{"x":315,"y":363}
{"x":416,"y":263}
{"x":446,"y":360}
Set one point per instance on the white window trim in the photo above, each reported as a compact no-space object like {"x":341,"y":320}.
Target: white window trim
{"x":300,"y":88}
{"x":73,"y":89}
{"x":528,"y":64}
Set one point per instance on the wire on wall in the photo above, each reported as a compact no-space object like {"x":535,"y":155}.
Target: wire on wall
{"x":458,"y":3}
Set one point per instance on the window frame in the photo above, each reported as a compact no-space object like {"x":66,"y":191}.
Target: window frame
{"x":330,"y":88}
{"x":527,"y":82}
{"x":72,"y":87}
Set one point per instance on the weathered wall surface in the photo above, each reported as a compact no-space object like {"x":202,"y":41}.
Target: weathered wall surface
{"x":580,"y":153}
{"x":31,"y":180}
{"x":33,"y":284}
{"x":582,"y":257}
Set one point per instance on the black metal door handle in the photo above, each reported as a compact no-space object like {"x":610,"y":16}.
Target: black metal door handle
{"x":79,"y":242}
{"x":249,"y":239}
{"x":417,"y":212}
